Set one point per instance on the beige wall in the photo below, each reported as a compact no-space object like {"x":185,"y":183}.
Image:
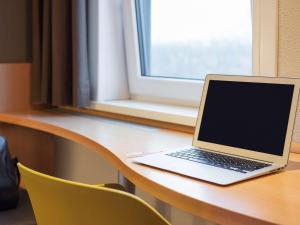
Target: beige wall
{"x":14,"y":87}
{"x":289,"y":46}
{"x":289,"y":38}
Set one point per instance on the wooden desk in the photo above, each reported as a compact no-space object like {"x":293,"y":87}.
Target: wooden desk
{"x":274,"y":199}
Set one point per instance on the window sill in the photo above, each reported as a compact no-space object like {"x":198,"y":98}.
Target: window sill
{"x":174,"y":114}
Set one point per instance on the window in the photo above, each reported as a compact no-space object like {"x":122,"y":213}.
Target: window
{"x":203,"y":39}
{"x":172,"y":44}
{"x":144,"y":52}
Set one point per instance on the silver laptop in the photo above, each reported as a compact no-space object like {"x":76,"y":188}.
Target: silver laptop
{"x":244,"y":129}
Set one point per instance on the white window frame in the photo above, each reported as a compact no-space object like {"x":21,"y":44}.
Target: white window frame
{"x":188,"y":92}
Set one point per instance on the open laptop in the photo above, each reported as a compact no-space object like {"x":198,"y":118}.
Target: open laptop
{"x":244,"y":129}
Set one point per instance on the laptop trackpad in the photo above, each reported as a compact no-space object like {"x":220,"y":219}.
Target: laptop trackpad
{"x":191,"y":169}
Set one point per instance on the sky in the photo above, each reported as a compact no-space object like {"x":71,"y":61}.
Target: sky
{"x":200,"y":20}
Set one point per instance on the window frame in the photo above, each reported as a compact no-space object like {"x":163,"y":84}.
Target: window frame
{"x":165,"y":90}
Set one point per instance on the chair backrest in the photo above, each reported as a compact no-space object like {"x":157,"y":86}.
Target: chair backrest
{"x":61,"y":202}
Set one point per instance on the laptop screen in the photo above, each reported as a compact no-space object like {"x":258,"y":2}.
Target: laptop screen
{"x":247,"y":115}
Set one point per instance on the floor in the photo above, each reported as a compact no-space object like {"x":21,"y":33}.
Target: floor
{"x":22,"y":215}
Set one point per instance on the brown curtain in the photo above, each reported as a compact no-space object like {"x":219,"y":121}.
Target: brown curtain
{"x":60,"y":58}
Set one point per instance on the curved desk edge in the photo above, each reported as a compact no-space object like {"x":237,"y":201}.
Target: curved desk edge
{"x":156,"y":182}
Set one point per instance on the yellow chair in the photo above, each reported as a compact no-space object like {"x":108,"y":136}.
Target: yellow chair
{"x":60,"y":202}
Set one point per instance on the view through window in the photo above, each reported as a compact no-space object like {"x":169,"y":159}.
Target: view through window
{"x":190,"y":38}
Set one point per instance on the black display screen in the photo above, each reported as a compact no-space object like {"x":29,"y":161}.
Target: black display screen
{"x":247,"y":115}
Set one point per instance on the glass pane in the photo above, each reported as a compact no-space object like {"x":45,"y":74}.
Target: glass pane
{"x":190,"y":38}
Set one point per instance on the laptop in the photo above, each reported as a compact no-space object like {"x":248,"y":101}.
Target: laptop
{"x":244,"y":130}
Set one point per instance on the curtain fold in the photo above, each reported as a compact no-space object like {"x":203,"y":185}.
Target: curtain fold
{"x":60,"y":74}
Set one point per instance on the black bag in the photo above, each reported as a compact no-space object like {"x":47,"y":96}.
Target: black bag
{"x":9,"y":178}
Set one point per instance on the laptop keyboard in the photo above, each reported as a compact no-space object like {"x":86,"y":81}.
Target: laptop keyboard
{"x":218,"y":160}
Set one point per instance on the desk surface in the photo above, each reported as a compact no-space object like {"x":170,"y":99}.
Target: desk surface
{"x":273,"y":199}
